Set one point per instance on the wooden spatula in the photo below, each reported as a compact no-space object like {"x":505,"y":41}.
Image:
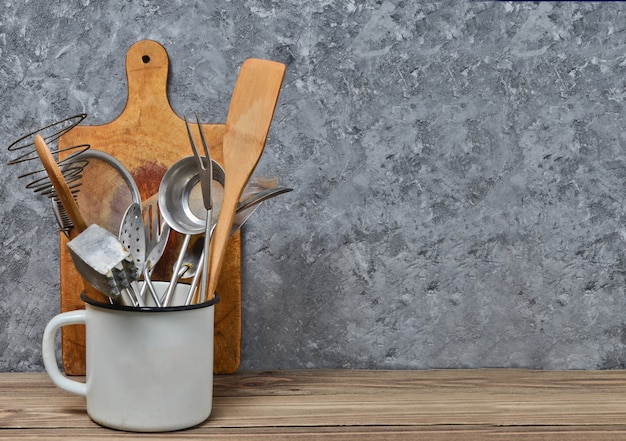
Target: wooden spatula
{"x":247,"y":124}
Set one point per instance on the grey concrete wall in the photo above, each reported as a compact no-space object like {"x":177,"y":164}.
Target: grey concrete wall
{"x":459,"y":168}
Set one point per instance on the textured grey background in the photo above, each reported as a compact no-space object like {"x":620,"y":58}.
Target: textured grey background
{"x":459,"y":172}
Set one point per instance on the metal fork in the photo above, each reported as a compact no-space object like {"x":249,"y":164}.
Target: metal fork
{"x":205,"y":172}
{"x":157,"y":232}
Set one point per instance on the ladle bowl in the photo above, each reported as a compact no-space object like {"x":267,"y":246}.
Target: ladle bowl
{"x":180,"y":196}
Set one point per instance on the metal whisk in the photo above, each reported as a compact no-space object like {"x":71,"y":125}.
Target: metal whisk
{"x":71,"y":167}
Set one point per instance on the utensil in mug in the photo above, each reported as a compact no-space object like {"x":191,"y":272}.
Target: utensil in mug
{"x":62,"y":189}
{"x":149,"y":369}
{"x":157,"y":234}
{"x":178,"y":188}
{"x":247,"y":124}
{"x":102,"y":260}
{"x":180,"y":195}
{"x":65,"y":195}
{"x":206,"y":179}
{"x":133,"y":237}
{"x":68,"y":169}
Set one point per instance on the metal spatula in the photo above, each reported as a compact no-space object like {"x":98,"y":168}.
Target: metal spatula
{"x":133,"y":238}
{"x":104,"y":262}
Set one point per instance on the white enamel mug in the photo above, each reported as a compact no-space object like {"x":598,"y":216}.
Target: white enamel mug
{"x":148,"y":369}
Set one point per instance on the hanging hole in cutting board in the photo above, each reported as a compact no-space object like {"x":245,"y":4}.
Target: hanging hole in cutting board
{"x":145,"y":59}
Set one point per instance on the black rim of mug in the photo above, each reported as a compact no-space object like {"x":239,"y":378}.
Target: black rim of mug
{"x":112,"y":306}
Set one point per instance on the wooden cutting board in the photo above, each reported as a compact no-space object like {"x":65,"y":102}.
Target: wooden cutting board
{"x":147,"y":138}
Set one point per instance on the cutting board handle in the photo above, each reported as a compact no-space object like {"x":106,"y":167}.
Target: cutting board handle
{"x":147,"y":67}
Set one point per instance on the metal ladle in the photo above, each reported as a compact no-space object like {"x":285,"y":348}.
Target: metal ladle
{"x":180,"y":197}
{"x":179,"y":190}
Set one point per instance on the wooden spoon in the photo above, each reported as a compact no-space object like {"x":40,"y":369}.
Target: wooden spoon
{"x":64,"y":194}
{"x":249,"y":117}
{"x":60,"y":186}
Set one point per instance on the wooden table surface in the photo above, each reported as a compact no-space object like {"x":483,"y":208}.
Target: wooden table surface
{"x":436,"y":405}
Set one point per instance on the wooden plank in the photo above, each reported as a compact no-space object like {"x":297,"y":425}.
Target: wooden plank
{"x":414,"y":409}
{"x":518,"y":381}
{"x":341,"y":405}
{"x":441,"y":433}
{"x":147,"y":138}
{"x":341,"y":410}
{"x":268,"y":434}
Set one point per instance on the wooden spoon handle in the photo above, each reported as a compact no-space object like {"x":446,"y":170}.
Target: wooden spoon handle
{"x":61,"y":188}
{"x":67,"y":199}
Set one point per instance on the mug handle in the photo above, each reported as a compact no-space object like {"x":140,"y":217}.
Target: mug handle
{"x":49,"y":353}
